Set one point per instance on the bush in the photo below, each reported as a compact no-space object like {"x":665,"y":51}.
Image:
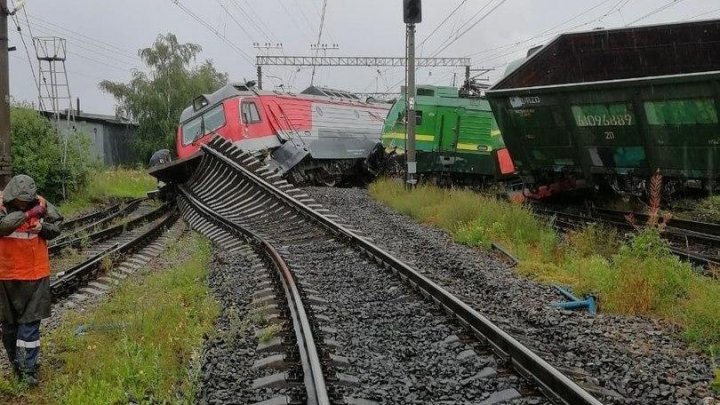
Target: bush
{"x":37,"y":150}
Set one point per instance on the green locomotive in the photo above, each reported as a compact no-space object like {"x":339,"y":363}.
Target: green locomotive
{"x":609,"y":108}
{"x":457,"y":139}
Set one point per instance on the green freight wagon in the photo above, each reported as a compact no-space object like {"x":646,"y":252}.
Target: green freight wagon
{"x":457,"y":139}
{"x":611,"y":107}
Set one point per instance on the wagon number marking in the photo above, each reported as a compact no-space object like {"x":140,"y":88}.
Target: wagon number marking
{"x":609,"y":135}
{"x":605,"y":120}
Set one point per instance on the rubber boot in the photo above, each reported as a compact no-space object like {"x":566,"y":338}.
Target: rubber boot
{"x":30,"y":379}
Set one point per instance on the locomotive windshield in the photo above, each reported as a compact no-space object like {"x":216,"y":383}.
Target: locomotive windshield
{"x":192,"y":130}
{"x":208,"y":122}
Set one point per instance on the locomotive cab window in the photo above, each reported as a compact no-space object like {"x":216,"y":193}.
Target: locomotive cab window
{"x":249,"y":112}
{"x":192,"y":130}
{"x":214,"y":119}
{"x":202,"y":125}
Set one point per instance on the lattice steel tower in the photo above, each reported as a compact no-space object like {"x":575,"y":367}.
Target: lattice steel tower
{"x":54,"y":89}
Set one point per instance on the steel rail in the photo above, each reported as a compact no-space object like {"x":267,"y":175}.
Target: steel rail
{"x":71,"y":223}
{"x":111,"y":214}
{"x":552,"y":382}
{"x":315,"y":386}
{"x":70,"y":280}
{"x":110,"y":232}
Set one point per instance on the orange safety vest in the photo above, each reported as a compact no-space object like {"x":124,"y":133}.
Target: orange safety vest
{"x":24,"y":254}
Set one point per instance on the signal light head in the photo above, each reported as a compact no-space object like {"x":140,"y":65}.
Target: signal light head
{"x":412,"y":11}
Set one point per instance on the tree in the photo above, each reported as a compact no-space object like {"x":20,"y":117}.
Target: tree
{"x":156,"y":99}
{"x":38,"y":151}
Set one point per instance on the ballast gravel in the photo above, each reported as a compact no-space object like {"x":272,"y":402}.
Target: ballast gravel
{"x":401,"y":348}
{"x":633,"y":360}
{"x":226,"y":373}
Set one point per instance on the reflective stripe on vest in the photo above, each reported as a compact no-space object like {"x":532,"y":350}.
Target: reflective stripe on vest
{"x":22,"y":235}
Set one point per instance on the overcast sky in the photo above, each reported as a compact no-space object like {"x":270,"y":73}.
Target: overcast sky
{"x":103,"y":36}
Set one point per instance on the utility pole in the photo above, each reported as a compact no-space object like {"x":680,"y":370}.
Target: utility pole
{"x":412,"y":14}
{"x":5,"y":157}
{"x":410,"y":94}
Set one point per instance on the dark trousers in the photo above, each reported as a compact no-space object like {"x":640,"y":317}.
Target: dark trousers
{"x":22,"y":344}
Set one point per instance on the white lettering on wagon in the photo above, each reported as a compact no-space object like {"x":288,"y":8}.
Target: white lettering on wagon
{"x":517,"y":102}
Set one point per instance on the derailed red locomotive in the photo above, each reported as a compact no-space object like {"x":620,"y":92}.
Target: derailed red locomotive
{"x":319,"y":136}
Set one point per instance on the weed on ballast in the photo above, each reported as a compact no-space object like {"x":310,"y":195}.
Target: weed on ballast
{"x":269,"y":333}
{"x":258,"y":317}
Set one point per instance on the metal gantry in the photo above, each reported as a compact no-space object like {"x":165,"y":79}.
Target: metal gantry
{"x":367,"y":61}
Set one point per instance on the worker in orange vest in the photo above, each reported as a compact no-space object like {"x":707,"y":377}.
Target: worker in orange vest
{"x":27,"y":222}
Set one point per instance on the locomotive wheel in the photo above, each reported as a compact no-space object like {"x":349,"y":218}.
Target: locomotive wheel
{"x":325,"y":178}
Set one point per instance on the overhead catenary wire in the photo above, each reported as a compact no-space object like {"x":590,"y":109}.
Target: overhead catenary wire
{"x":550,"y":31}
{"x":304,"y":30}
{"x":656,"y":11}
{"x":705,"y":13}
{"x":235,"y":20}
{"x":455,"y":32}
{"x":653,"y":12}
{"x":212,"y":29}
{"x":70,"y":33}
{"x":461,"y":34}
{"x":254,"y":20}
{"x":455,"y":10}
{"x":116,"y":57}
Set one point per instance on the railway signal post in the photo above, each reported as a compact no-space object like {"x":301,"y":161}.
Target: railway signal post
{"x":4,"y":97}
{"x":412,"y":14}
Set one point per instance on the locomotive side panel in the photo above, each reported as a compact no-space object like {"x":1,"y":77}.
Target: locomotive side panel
{"x":343,"y":131}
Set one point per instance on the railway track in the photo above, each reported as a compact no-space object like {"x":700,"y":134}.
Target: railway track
{"x":82,"y":226}
{"x":107,"y":246}
{"x":695,"y":242}
{"x":74,"y":223}
{"x":134,"y":215}
{"x":233,"y":199}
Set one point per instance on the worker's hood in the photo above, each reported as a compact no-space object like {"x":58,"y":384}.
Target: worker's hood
{"x":21,"y":188}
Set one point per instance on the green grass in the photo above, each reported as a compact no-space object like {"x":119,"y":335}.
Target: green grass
{"x":640,"y":277}
{"x":106,"y":185}
{"x":269,"y":333}
{"x":706,"y":209}
{"x":140,"y":346}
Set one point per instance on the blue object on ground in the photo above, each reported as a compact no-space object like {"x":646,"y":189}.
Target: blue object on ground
{"x":575,"y":302}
